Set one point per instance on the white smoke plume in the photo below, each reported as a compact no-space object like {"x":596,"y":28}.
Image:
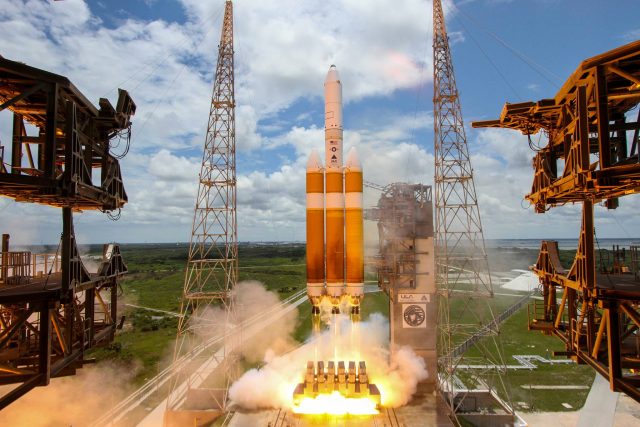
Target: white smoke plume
{"x":71,"y":401}
{"x":251,"y":300}
{"x":395,"y":373}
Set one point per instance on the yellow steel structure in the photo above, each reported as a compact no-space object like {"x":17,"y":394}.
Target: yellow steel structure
{"x":591,"y":156}
{"x":199,"y":390}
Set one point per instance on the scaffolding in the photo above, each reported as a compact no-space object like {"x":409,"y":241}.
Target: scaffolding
{"x":591,"y":156}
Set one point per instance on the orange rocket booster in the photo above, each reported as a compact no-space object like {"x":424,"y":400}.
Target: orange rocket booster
{"x":327,"y":231}
{"x":315,"y":230}
{"x":354,"y":230}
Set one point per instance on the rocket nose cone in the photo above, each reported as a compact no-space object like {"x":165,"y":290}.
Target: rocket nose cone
{"x":353,"y":162}
{"x":332,"y":75}
{"x":314,"y":161}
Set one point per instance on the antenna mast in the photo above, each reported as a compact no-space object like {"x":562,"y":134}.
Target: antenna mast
{"x":461,"y":260}
{"x":203,"y":351}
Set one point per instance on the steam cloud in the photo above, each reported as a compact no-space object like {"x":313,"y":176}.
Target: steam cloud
{"x":251,"y":300}
{"x":396,"y":374}
{"x":71,"y":401}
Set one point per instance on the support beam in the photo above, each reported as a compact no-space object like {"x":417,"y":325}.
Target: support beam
{"x":22,"y":96}
{"x":16,"y":143}
{"x":44,"y":356}
{"x":89,"y":316}
{"x":602,"y":113}
{"x":588,"y":247}
{"x":50,"y":132}
{"x":565,"y":294}
{"x":603,"y":325}
{"x":613,"y":342}
{"x":67,"y":249}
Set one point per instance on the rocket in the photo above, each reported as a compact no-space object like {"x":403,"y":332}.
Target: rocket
{"x":335,"y":245}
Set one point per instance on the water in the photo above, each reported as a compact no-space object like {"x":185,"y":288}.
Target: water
{"x":562,"y":243}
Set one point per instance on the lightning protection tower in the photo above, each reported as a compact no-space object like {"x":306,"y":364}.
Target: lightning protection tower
{"x":204,"y":349}
{"x":466,"y":321}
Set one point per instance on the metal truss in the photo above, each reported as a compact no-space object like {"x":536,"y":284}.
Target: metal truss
{"x":591,"y":156}
{"x":55,"y":167}
{"x":52,"y":310}
{"x":212,"y":267}
{"x":463,"y":277}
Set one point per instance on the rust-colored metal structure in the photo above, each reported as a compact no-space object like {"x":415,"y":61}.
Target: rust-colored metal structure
{"x":52,"y":309}
{"x":463,"y":279}
{"x":200,"y":388}
{"x":591,"y":156}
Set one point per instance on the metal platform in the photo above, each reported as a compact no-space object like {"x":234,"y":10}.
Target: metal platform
{"x":422,"y":410}
{"x":52,"y":309}
{"x":56,"y":166}
{"x":592,"y":155}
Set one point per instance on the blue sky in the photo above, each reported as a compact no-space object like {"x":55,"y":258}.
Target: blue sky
{"x":164,"y":52}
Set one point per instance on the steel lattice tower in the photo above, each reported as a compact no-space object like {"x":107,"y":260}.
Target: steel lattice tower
{"x":458,"y":224}
{"x":461,"y":260}
{"x":207,"y":309}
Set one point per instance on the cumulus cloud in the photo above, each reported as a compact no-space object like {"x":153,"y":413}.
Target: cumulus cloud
{"x":281,"y":59}
{"x":167,"y":67}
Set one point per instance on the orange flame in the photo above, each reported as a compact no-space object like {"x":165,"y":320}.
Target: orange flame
{"x":336,"y":404}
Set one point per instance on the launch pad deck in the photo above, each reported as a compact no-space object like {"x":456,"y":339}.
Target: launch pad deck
{"x":348,"y":382}
{"x":424,"y":409}
{"x":41,"y":288}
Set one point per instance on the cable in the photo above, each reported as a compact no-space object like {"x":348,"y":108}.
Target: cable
{"x":602,"y":266}
{"x":528,"y":61}
{"x":535,"y":147}
{"x":46,"y":281}
{"x":124,"y":134}
{"x":421,"y":88}
{"x":162,"y":61}
{"x":619,"y":224}
{"x":495,"y":67}
{"x":113,"y":217}
{"x":163,"y":97}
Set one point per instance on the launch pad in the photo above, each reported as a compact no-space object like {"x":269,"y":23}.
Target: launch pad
{"x":424,"y":409}
{"x":347,"y":383}
{"x":52,"y":309}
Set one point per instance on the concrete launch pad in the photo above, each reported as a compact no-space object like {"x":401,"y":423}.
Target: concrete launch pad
{"x":423,"y":410}
{"x":349,"y":383}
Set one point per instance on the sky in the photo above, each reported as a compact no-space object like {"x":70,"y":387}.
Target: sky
{"x":164,"y":52}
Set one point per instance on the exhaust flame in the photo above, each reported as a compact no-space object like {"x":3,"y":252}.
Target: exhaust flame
{"x":335,"y":404}
{"x":396,"y":374}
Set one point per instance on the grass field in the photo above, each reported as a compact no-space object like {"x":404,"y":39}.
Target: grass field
{"x":515,"y":339}
{"x":155,"y":280}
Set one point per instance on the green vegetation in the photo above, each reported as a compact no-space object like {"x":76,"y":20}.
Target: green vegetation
{"x":517,"y":340}
{"x":505,"y":259}
{"x":155,"y":280}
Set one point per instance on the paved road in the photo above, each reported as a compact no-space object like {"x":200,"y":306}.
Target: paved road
{"x":600,"y":407}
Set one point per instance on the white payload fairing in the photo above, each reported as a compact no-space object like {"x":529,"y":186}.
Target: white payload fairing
{"x":335,"y":245}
